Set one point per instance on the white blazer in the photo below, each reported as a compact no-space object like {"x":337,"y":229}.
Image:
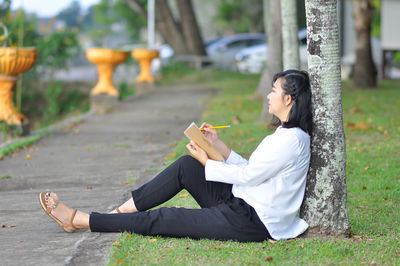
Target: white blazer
{"x":272,"y":181}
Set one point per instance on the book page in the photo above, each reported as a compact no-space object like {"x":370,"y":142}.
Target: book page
{"x":194,"y":133}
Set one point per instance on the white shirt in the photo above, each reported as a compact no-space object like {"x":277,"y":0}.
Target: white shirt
{"x":272,"y":181}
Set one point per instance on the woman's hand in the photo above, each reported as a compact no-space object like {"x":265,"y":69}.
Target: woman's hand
{"x":198,"y":153}
{"x":210,"y":133}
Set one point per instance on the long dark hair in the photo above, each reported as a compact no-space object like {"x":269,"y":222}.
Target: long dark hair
{"x":297,"y":85}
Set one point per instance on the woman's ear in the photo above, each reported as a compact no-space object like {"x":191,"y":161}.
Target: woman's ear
{"x":288,"y":99}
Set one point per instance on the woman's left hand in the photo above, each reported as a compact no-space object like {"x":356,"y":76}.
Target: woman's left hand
{"x":198,"y":153}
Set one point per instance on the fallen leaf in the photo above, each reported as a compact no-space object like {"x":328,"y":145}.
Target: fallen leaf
{"x":236,"y":120}
{"x":269,"y":258}
{"x":217,"y":247}
{"x":238,"y":132}
{"x":387,"y":188}
{"x":366,"y":168}
{"x":27,"y":156}
{"x":364,"y":188}
{"x":169,"y":251}
{"x":355,"y":110}
{"x":358,"y":126}
{"x":357,"y":237}
{"x":183,"y":195}
{"x":170,"y":155}
{"x":272,"y":241}
{"x":152,"y":239}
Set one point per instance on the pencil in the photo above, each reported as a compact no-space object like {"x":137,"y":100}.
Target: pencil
{"x":217,"y":127}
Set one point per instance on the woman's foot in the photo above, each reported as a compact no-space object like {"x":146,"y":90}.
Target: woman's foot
{"x":69,"y":219}
{"x":127,"y":207}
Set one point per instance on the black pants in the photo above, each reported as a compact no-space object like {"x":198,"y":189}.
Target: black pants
{"x":221,"y":217}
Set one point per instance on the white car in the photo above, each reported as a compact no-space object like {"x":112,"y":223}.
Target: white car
{"x":222,"y":52}
{"x":253,"y":59}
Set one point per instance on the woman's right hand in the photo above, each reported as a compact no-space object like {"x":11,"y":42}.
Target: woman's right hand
{"x":210,"y":133}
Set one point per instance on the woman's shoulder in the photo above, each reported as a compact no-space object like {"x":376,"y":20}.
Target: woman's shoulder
{"x":292,"y":132}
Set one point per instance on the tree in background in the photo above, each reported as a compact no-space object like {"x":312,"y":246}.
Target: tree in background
{"x":272,"y":18}
{"x":324,"y":205}
{"x":234,"y":16}
{"x":365,"y":73}
{"x":4,"y":8}
{"x":71,"y":15}
{"x":182,"y":34}
{"x":290,"y":43}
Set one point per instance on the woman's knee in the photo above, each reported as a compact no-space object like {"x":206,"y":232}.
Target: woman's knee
{"x":190,"y":167}
{"x":187,"y":160}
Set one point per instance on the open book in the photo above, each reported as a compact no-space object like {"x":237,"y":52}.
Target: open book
{"x":194,"y":133}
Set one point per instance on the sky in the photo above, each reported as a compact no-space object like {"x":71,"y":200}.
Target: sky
{"x":47,"y":8}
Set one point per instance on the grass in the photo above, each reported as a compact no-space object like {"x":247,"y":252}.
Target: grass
{"x":21,"y":144}
{"x":372,"y":131}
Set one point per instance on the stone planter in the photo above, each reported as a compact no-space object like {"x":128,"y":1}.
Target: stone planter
{"x":144,"y":57}
{"x":13,"y":61}
{"x":106,"y":60}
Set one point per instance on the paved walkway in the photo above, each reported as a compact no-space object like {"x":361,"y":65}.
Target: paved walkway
{"x":92,"y":166}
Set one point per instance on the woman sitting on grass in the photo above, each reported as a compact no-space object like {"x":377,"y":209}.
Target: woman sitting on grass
{"x":240,"y":200}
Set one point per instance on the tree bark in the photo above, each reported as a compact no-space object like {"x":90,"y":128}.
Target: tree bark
{"x":324,"y":205}
{"x":272,"y":19}
{"x":290,"y":41}
{"x":365,"y":73}
{"x":190,"y":28}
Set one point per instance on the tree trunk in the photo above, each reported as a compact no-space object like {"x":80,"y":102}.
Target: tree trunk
{"x":365,"y":73}
{"x":191,"y":31}
{"x":324,"y":205}
{"x":170,"y":30}
{"x":184,"y":37}
{"x":272,"y":19}
{"x":290,"y":41}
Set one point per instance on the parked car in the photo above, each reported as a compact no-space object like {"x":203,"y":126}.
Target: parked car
{"x":222,"y":52}
{"x":253,"y":59}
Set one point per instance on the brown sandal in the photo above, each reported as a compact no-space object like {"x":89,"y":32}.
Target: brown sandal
{"x":67,"y":227}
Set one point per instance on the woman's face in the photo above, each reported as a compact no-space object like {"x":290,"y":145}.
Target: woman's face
{"x":278,"y":103}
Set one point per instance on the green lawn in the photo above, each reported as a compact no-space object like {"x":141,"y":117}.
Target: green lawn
{"x":372,"y":128}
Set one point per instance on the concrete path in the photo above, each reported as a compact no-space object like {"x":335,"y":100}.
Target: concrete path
{"x":92,"y":166}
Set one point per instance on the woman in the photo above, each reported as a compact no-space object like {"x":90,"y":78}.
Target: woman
{"x":240,"y":200}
